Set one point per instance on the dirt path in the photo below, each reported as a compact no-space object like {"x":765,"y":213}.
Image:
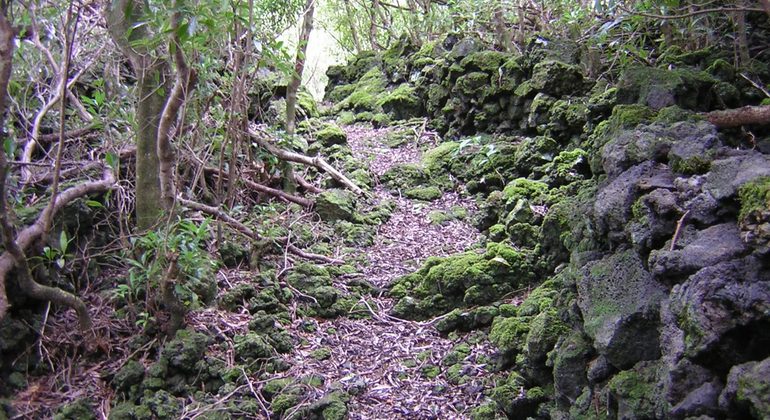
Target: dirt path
{"x":392,"y":368}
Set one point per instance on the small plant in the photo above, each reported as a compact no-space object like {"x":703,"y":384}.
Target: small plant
{"x":58,"y":255}
{"x":186,"y":240}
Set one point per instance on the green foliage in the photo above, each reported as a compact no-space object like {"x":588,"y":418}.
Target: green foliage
{"x":187,"y":241}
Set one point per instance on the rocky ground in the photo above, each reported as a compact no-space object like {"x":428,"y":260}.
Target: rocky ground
{"x":389,"y":368}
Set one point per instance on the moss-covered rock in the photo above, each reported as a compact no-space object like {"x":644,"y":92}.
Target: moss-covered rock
{"x":356,"y":235}
{"x":510,"y":336}
{"x":163,"y":405}
{"x":403,"y":176}
{"x":402,"y":103}
{"x":556,"y":78}
{"x":185,"y":350}
{"x":251,"y":347}
{"x":80,"y":409}
{"x":748,"y":386}
{"x":534,"y":152}
{"x":426,"y":194}
{"x":130,"y":375}
{"x":638,"y":392}
{"x":330,"y":135}
{"x":234,"y":254}
{"x":321,"y":354}
{"x":619,"y":300}
{"x":659,"y":88}
{"x":336,"y":204}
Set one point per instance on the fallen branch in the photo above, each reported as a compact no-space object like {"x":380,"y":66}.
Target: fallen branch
{"x":244,"y":230}
{"x":306,"y":185}
{"x":739,"y":116}
{"x":304,"y":202}
{"x":678,"y":229}
{"x":260,"y":137}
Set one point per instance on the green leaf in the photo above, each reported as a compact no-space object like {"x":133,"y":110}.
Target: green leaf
{"x":112,"y":160}
{"x":10,"y":147}
{"x":63,"y":242}
{"x":95,"y":204}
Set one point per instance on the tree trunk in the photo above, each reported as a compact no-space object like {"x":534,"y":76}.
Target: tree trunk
{"x":185,"y":82}
{"x":151,"y":73}
{"x":352,"y":24}
{"x":299,"y":68}
{"x":741,"y":42}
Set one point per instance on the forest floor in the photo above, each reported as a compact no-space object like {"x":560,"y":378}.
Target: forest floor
{"x":392,"y":368}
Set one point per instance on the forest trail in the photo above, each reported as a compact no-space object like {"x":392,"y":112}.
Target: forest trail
{"x":390,"y":367}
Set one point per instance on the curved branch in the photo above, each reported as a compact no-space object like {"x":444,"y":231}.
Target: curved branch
{"x":32,"y":233}
{"x":317,"y":161}
{"x":244,"y":230}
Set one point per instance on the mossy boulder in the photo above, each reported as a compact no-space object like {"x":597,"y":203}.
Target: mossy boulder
{"x":330,"y":135}
{"x":620,"y":301}
{"x":251,"y":347}
{"x":545,"y":331}
{"x":534,"y":152}
{"x":356,"y":235}
{"x":234,"y":254}
{"x":306,"y":277}
{"x":470,"y":278}
{"x":568,"y":167}
{"x":638,"y":392}
{"x":535,"y":192}
{"x":185,"y":350}
{"x":163,"y":405}
{"x":425,"y":194}
{"x":747,"y":390}
{"x":332,"y":406}
{"x":660,"y":88}
{"x":364,"y":96}
{"x":402,"y":103}
{"x":570,"y":363}
{"x":403,"y":176}
{"x":80,"y":409}
{"x":130,"y":375}
{"x":556,"y":78}
{"x":336,"y":204}
{"x":510,"y":336}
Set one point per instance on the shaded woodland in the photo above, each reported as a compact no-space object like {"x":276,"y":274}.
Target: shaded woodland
{"x":497,"y":210}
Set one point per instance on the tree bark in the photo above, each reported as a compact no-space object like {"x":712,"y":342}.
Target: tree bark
{"x":299,"y":67}
{"x":739,"y":116}
{"x":352,"y":24}
{"x":184,"y":83}
{"x":151,"y":72}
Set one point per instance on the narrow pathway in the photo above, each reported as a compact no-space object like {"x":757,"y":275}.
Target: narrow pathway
{"x":393,"y":368}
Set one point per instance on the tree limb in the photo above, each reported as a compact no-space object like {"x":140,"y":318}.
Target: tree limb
{"x":32,"y":233}
{"x":318,"y":162}
{"x":739,"y":116}
{"x":244,"y":230}
{"x":304,"y":202}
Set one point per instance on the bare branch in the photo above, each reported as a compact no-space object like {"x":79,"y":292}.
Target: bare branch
{"x":318,"y":162}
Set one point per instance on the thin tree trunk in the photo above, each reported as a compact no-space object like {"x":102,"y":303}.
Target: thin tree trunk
{"x":150,"y":71}
{"x":352,"y":23}
{"x":299,"y":68}
{"x":182,"y":86}
{"x":742,"y":43}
